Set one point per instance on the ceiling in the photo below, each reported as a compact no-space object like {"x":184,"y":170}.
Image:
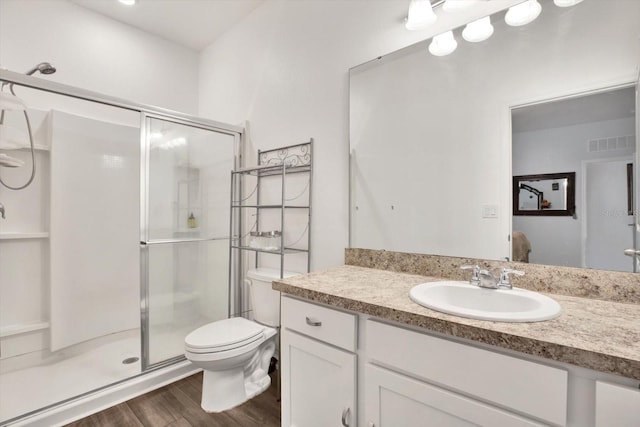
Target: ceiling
{"x":614,"y":104}
{"x":191,"y":23}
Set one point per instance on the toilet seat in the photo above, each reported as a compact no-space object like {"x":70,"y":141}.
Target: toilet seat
{"x":224,"y":335}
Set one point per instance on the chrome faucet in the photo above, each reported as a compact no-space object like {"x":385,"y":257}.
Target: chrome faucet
{"x":475,"y":274}
{"x":2,"y":210}
{"x":491,"y":279}
{"x":505,"y":278}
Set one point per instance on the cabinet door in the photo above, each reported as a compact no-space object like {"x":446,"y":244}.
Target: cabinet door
{"x":318,"y":383}
{"x":617,"y":406}
{"x":524,"y":387}
{"x":392,"y":400}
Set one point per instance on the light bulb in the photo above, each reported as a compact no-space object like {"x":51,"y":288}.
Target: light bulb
{"x":478,"y":30}
{"x":566,"y":3}
{"x":443,"y":44}
{"x":523,"y":13}
{"x":128,"y":2}
{"x":420,"y":15}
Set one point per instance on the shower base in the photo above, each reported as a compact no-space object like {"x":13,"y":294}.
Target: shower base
{"x":76,"y":371}
{"x":66,"y":373}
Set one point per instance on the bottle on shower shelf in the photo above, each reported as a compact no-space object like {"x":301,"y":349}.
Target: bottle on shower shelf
{"x":191,"y":221}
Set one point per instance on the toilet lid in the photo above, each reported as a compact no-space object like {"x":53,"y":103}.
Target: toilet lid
{"x":234,"y":331}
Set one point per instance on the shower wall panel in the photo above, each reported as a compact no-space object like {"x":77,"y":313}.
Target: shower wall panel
{"x":24,"y":244}
{"x":95,"y":262}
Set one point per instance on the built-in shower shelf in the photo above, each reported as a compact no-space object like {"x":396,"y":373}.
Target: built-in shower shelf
{"x":7,"y":331}
{"x":23,"y":236}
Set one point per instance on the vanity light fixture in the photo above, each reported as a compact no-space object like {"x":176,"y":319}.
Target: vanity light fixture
{"x":566,"y":3}
{"x":420,"y":15}
{"x":128,"y":2}
{"x":453,"y":5}
{"x":443,"y":44}
{"x":478,"y":30}
{"x":523,"y":13}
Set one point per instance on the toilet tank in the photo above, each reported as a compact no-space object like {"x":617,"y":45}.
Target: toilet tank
{"x":266,"y":301}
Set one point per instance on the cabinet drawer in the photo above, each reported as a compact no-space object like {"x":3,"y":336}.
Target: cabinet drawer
{"x":617,"y":406}
{"x":325,"y":324}
{"x":526,"y":387}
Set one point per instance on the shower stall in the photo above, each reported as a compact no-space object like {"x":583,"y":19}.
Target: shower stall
{"x":112,"y":251}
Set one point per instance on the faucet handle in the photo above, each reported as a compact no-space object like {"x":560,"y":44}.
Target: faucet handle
{"x":505,"y":279}
{"x":475,"y":274}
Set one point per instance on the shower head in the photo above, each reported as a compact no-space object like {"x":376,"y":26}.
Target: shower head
{"x":43,"y":67}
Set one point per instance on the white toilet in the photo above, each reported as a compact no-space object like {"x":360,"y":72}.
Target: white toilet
{"x":235,"y":353}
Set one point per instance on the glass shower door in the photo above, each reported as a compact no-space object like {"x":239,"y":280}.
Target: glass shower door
{"x":184,"y":233}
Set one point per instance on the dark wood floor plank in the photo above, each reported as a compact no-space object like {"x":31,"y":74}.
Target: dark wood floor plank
{"x":180,"y":422}
{"x":116,"y":416}
{"x":262,"y":410}
{"x":178,"y":405}
{"x":190,"y":387}
{"x":265,"y":408}
{"x":195,"y":379}
{"x":157,"y":408}
{"x":189,"y":397}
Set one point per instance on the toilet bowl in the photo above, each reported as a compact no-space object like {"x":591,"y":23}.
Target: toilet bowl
{"x":235,"y":353}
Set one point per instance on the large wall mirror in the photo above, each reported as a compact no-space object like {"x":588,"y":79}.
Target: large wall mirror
{"x":436,"y":141}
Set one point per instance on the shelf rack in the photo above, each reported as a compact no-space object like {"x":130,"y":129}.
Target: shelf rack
{"x":280,"y":163}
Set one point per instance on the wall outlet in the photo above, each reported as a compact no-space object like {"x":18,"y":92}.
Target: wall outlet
{"x":489,"y":211}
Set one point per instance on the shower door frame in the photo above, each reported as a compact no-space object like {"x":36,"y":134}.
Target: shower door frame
{"x":145,"y":241}
{"x":145,"y":111}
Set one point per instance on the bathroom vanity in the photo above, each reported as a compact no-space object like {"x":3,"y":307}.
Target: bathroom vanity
{"x":357,"y":351}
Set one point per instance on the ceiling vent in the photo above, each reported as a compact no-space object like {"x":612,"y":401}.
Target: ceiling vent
{"x":612,"y":143}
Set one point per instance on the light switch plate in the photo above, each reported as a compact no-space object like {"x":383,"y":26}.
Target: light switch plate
{"x":489,"y":211}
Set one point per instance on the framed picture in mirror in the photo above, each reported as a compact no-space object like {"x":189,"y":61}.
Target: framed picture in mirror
{"x":551,"y":194}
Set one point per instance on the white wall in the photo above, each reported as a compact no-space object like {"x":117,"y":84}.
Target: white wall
{"x":558,"y":240}
{"x":97,"y":53}
{"x":285,"y":69}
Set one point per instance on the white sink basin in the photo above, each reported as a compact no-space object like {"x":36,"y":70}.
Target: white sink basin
{"x":500,"y":305}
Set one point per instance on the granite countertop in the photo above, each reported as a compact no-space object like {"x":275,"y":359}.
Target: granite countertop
{"x":595,"y":334}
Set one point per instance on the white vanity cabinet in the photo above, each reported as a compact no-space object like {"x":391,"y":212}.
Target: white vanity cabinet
{"x":318,"y":347}
{"x":617,"y":406}
{"x":416,"y":379}
{"x":343,"y":368}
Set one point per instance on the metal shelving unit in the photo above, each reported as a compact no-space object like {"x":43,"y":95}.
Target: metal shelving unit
{"x":273,"y":165}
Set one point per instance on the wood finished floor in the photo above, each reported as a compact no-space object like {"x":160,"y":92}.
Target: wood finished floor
{"x":178,"y":405}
